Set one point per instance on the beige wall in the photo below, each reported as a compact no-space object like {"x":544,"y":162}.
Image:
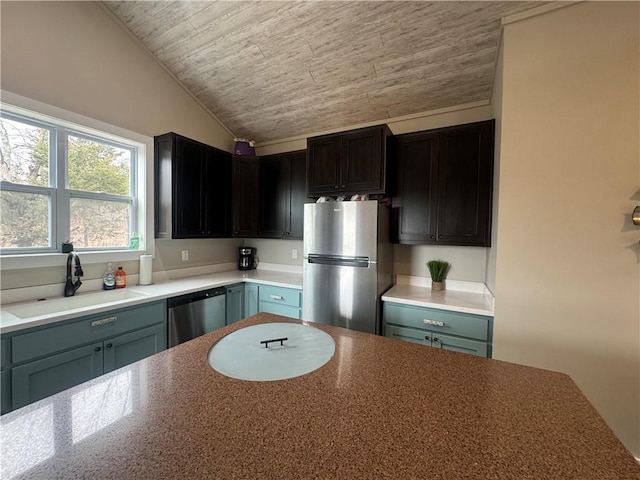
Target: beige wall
{"x":468,"y":263}
{"x":72,"y":55}
{"x":398,"y":126}
{"x":567,"y":270}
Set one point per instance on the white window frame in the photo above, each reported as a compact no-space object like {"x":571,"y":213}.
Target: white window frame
{"x":85,"y":127}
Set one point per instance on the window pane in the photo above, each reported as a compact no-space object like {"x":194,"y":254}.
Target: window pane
{"x":99,"y":223}
{"x":98,"y":167}
{"x":24,"y":153}
{"x":24,"y":220}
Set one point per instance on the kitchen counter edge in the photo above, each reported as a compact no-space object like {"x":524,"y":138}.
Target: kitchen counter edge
{"x":158,"y":291}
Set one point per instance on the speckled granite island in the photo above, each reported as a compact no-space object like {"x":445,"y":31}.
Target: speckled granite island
{"x":380,"y":408}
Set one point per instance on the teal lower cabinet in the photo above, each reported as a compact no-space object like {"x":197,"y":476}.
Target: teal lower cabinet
{"x":245,"y":300}
{"x":280,"y":301}
{"x":250,"y":299}
{"x":36,"y":380}
{"x":456,"y":331}
{"x":46,"y":360}
{"x":5,"y":375}
{"x":131,"y":347}
{"x":235,"y":303}
{"x":5,"y":390}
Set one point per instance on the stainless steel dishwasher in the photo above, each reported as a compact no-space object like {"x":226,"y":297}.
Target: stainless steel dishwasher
{"x":195,"y":314}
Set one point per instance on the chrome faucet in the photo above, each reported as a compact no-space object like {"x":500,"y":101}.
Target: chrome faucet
{"x":71,"y":287}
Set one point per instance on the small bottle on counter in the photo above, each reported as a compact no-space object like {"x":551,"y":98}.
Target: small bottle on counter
{"x":121,"y":278}
{"x":108,"y":279}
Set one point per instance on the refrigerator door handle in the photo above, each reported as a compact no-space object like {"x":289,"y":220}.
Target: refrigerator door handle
{"x":362,"y":262}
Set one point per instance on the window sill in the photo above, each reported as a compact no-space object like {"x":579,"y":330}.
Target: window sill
{"x":19,"y":262}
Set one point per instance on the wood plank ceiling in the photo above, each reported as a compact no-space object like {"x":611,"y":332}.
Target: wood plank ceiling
{"x":271,"y":70}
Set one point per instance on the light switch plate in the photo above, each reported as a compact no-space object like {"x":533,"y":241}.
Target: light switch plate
{"x":185,"y":255}
{"x":294,"y":253}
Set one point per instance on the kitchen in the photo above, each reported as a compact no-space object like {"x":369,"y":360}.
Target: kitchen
{"x":541,"y":220}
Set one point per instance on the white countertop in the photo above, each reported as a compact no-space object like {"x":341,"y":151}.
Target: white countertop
{"x":464,"y":297}
{"x":158,"y":291}
{"x":458,"y":296}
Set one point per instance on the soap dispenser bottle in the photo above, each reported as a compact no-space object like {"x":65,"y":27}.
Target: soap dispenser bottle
{"x":121,"y":278}
{"x":109,"y":279}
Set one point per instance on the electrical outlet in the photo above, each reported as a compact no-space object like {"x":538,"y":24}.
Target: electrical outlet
{"x":294,"y":253}
{"x":185,"y":255}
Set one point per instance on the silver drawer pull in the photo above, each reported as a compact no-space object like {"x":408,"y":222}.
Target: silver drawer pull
{"x":102,"y":321}
{"x":276,"y":297}
{"x":433,"y":322}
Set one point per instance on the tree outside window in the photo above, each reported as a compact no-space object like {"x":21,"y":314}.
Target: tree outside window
{"x":58,"y":185}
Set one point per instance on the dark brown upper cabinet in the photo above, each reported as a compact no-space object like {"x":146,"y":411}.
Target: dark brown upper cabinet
{"x":192,"y":191}
{"x":282,"y":195}
{"x":348,"y":163}
{"x":245,"y":185}
{"x":444,"y":186}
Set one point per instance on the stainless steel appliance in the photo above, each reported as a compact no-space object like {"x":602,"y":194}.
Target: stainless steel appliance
{"x":195,"y":314}
{"x":246,"y":258}
{"x":347,"y":263}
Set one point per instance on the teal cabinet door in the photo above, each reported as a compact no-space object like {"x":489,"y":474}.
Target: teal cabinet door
{"x":235,"y":303}
{"x":250,"y":299}
{"x":41,"y":378}
{"x":131,"y":347}
{"x":5,"y":391}
{"x":462,"y":345}
{"x":412,"y":335}
{"x":5,"y":376}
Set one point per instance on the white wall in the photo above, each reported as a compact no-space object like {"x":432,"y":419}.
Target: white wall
{"x":567,"y":269}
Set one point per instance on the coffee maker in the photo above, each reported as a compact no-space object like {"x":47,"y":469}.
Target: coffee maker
{"x":246,"y":258}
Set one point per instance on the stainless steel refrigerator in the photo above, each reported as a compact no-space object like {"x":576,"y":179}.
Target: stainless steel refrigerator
{"x":347,"y":263}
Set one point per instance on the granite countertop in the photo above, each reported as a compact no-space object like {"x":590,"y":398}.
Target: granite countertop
{"x":380,"y":408}
{"x":100,"y":301}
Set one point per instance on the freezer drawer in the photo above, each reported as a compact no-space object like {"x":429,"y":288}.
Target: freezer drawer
{"x":343,"y":296}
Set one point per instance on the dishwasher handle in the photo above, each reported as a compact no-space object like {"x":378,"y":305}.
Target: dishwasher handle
{"x":195,"y":297}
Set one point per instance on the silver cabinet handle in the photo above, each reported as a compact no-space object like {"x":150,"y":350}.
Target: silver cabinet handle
{"x":102,"y":321}
{"x":433,"y":322}
{"x":276,"y":297}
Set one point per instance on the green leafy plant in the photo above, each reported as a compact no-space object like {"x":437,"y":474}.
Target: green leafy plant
{"x":438,"y":269}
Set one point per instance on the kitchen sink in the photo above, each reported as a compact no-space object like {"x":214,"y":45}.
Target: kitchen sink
{"x":61,"y":304}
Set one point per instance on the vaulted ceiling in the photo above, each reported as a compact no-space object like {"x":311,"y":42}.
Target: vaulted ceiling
{"x":271,"y":70}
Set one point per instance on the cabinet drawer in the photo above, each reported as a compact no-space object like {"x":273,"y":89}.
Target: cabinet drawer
{"x":284,"y":310}
{"x":48,"y":340}
{"x":442,"y":321}
{"x":279,"y":295}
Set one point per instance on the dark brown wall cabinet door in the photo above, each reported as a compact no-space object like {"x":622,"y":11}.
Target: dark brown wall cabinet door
{"x":282,"y":195}
{"x":189,"y":194}
{"x":444,"y":186}
{"x":298,"y":195}
{"x":347,"y":163}
{"x":192,"y":192}
{"x":217,"y":186}
{"x":417,"y":190}
{"x":245,"y":196}
{"x":465,"y":180}
{"x":323,"y":167}
{"x":362,"y":161}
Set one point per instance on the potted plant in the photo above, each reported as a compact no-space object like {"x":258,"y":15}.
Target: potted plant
{"x":438,"y":270}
